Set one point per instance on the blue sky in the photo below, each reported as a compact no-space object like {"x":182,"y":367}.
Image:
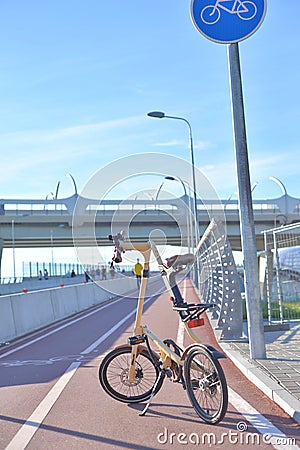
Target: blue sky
{"x":77,"y":78}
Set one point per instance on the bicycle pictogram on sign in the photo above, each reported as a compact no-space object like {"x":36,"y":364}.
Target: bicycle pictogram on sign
{"x":245,"y":10}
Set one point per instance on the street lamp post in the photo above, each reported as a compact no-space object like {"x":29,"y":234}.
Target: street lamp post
{"x":162,"y":115}
{"x":189,"y":222}
{"x":13,"y":247}
{"x":52,"y":252}
{"x":285,"y":195}
{"x":280,"y":184}
{"x":71,"y":178}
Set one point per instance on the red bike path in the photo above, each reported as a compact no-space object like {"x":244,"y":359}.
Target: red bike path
{"x":51,"y":398}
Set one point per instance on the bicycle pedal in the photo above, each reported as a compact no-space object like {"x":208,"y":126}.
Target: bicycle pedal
{"x":195,"y":384}
{"x":134,"y":340}
{"x":169,"y":373}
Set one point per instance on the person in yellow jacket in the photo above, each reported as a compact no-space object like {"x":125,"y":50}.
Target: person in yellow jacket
{"x":138,"y":269}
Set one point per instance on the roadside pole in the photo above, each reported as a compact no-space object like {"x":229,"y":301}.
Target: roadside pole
{"x":253,"y":302}
{"x":230,"y":24}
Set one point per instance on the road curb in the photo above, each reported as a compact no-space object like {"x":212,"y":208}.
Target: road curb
{"x":265,"y":383}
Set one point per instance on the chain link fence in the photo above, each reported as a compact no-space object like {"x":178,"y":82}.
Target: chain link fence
{"x":281,"y":287}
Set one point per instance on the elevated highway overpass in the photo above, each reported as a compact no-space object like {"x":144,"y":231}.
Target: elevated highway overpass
{"x":49,"y":223}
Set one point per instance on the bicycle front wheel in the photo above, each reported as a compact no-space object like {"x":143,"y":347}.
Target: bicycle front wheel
{"x":210,"y":15}
{"x":114,"y":371}
{"x":206,"y":385}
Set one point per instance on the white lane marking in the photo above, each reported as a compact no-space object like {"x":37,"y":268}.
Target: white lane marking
{"x":180,"y":331}
{"x":107,"y":334}
{"x":27,"y":431}
{"x":272,"y":434}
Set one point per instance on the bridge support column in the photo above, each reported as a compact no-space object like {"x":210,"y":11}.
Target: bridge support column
{"x":262,"y":269}
{"x":266,"y":275}
{"x":1,"y":250}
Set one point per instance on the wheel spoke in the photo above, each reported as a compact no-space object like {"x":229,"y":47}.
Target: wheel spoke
{"x":206,"y":385}
{"x":114,"y":375}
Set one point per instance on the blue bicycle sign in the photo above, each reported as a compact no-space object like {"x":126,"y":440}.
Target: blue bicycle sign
{"x":228,"y":21}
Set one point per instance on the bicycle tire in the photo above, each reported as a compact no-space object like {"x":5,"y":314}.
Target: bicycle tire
{"x":251,"y":8}
{"x":210,"y":15}
{"x":113,"y":376}
{"x":206,"y":385}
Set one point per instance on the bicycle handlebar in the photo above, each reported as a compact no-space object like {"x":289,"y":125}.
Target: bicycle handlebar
{"x":117,"y":238}
{"x":121,"y":245}
{"x":117,"y":257}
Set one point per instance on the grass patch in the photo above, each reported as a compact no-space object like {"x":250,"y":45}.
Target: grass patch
{"x":291,"y":310}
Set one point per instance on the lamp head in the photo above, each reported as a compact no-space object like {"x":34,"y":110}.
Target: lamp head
{"x":157,"y":114}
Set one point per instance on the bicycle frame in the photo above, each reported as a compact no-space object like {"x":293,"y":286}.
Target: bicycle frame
{"x":234,"y":8}
{"x":167,"y":355}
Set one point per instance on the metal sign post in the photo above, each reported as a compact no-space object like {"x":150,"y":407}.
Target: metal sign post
{"x":228,"y":22}
{"x":253,"y":302}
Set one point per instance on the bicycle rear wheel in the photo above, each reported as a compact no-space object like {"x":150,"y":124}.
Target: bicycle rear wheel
{"x":246,"y":10}
{"x":206,"y":385}
{"x":113,"y":375}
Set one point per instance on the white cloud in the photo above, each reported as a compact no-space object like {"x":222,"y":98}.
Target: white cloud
{"x":40,"y":157}
{"x":199,"y":145}
{"x":283,"y":163}
{"x":47,"y":136}
{"x":223,"y":176}
{"x":173,"y":143}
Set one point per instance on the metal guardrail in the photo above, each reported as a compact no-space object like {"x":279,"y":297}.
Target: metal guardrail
{"x":219,"y":282}
{"x":11,"y":280}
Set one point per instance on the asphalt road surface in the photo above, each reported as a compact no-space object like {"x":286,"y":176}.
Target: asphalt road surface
{"x":50,"y":395}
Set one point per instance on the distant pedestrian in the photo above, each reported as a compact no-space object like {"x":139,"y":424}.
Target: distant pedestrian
{"x":103,"y":273}
{"x":40,"y":275}
{"x":87,"y":276}
{"x":73,"y":274}
{"x":138,"y":269}
{"x":46,"y":275}
{"x":112,"y":273}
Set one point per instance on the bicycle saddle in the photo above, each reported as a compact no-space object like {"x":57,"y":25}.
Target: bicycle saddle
{"x":179,"y":260}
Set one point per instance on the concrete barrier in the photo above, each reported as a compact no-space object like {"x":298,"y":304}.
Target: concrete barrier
{"x":23,"y":313}
{"x":7,"y":328}
{"x":31,"y":311}
{"x":64,"y":302}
